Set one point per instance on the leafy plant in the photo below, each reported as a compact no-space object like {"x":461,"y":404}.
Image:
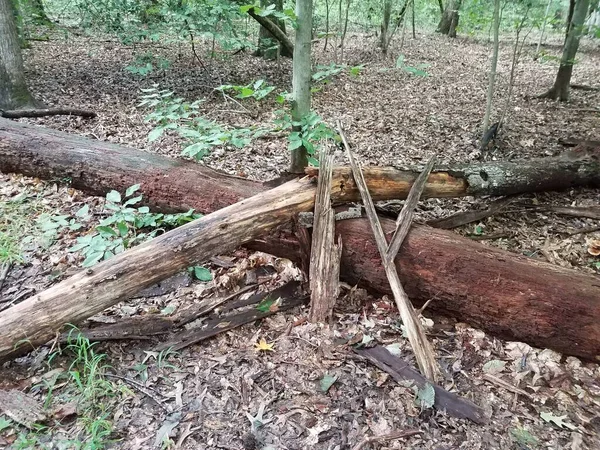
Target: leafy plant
{"x":417,"y":70}
{"x":257,"y":90}
{"x":310,"y":132}
{"x":200,"y":134}
{"x":127,"y":226}
{"x":86,"y":383}
{"x":325,"y":72}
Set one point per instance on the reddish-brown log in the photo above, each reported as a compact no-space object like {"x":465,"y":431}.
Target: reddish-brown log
{"x":508,"y":295}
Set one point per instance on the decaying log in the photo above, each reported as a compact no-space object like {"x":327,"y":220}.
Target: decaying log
{"x":20,"y":113}
{"x":287,"y":297}
{"x":325,"y":255}
{"x":98,"y":167}
{"x":172,"y":184}
{"x":508,"y":295}
{"x":401,"y":372}
{"x":35,"y":320}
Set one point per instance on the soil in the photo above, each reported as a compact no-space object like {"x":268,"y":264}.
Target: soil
{"x":212,"y":394}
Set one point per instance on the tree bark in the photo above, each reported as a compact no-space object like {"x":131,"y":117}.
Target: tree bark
{"x":287,"y":47}
{"x":450,"y":17}
{"x":560,"y":89}
{"x":266,"y":49}
{"x":385,"y":25}
{"x":492,"y":79}
{"x":14,"y":93}
{"x":302,"y":75}
{"x":506,"y":294}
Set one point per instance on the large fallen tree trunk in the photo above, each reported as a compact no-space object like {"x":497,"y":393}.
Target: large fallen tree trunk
{"x":173,"y":184}
{"x":510,"y":295}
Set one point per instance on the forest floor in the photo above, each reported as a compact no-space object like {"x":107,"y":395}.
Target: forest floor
{"x":209,"y":395}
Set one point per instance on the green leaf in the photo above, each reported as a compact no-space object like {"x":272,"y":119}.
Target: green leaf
{"x":123,"y":228}
{"x":426,"y":396}
{"x":202,"y":273}
{"x":143,"y":209}
{"x":245,"y":8}
{"x":524,"y":438}
{"x":265,"y":304}
{"x":245,"y":92}
{"x":106,"y":231}
{"x":131,"y":189}
{"x":155,"y":134}
{"x":400,"y":61}
{"x":494,"y":366}
{"x":83,"y":211}
{"x":168,"y":310}
{"x":313,"y":161}
{"x":133,"y":201}
{"x":394,"y":349}
{"x":327,"y":381}
{"x":92,"y":259}
{"x":114,"y":197}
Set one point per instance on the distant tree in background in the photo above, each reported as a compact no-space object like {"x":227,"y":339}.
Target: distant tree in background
{"x":450,"y":17}
{"x":14,"y":93}
{"x":268,"y":46}
{"x":575,"y":29}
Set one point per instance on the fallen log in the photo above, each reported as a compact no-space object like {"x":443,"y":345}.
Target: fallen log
{"x":36,"y":319}
{"x":172,"y":184}
{"x":511,"y":296}
{"x":43,"y":112}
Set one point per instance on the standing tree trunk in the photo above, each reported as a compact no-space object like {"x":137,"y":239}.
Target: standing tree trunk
{"x":441,"y":7}
{"x":301,"y":78}
{"x":560,"y":90}
{"x":450,"y":17}
{"x":326,"y":24}
{"x":14,"y":93}
{"x":569,"y":19}
{"x":38,"y":12}
{"x":385,"y":25}
{"x":268,"y":46}
{"x":490,"y":91}
{"x":543,"y":30}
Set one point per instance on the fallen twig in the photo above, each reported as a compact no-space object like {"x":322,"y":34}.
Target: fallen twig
{"x":416,"y":335}
{"x":143,"y":389}
{"x":583,"y":231}
{"x":5,"y":270}
{"x":509,"y":387}
{"x":401,"y":371}
{"x":404,"y":220}
{"x":386,"y":437}
{"x":20,"y":113}
{"x":591,"y":212}
{"x":465,"y":217}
